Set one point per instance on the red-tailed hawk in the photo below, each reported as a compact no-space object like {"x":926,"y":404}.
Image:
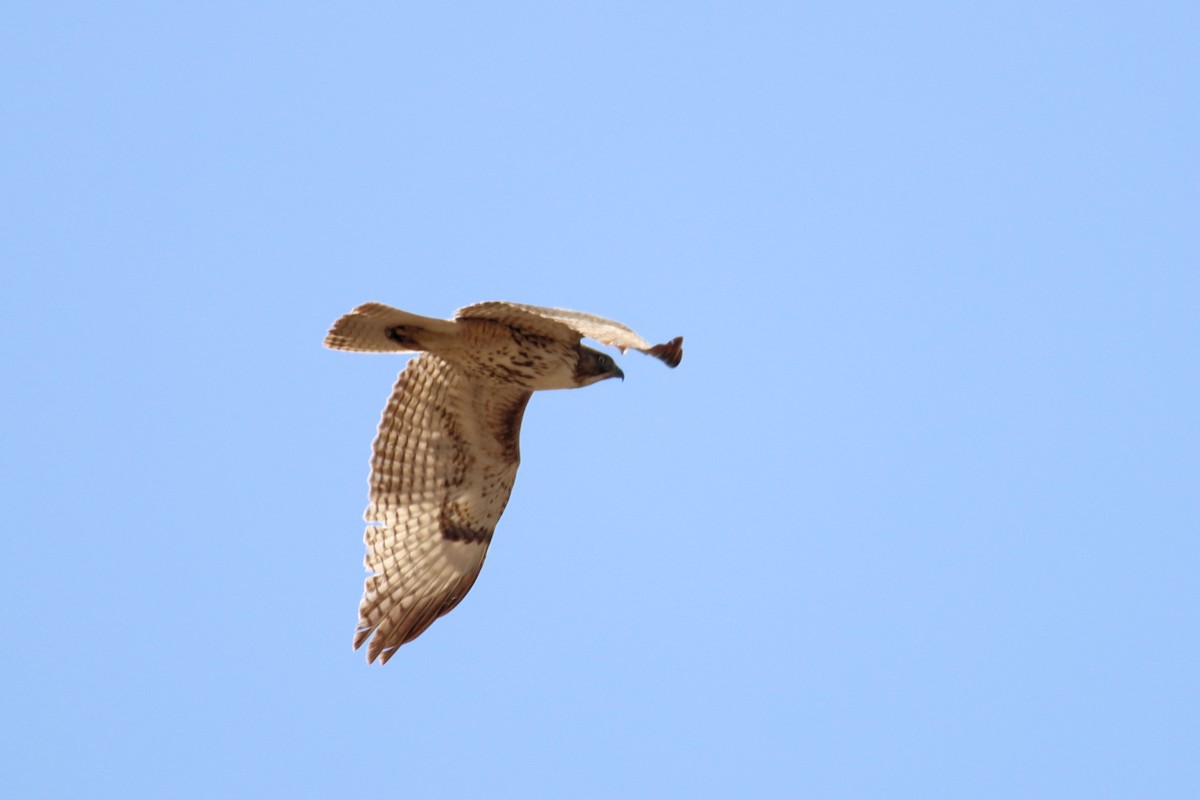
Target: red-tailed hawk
{"x":446,"y":454}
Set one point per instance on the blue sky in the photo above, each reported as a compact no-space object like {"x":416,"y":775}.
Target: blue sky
{"x":916,"y":517}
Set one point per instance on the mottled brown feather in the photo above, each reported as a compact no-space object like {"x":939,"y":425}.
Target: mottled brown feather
{"x":579,"y":323}
{"x":443,"y":465}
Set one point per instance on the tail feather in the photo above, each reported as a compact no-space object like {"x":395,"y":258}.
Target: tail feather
{"x":370,"y":329}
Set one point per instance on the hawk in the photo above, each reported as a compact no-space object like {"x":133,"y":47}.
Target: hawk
{"x":446,"y":454}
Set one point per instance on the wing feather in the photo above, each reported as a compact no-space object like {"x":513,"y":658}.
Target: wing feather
{"x":605,"y":331}
{"x":442,"y":470}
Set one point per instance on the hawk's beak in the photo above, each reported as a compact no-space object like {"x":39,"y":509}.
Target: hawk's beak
{"x":615,"y":372}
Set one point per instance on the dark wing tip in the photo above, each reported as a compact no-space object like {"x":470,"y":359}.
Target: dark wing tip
{"x":670,"y":353}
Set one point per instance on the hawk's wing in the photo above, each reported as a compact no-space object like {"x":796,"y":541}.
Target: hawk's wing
{"x":442,"y":470}
{"x":605,"y":331}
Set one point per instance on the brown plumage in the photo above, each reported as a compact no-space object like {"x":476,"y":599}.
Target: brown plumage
{"x":447,"y":451}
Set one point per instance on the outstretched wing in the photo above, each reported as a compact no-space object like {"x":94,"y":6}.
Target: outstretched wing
{"x":605,"y":331}
{"x":443,"y":467}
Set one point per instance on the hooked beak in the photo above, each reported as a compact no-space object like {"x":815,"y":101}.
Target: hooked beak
{"x":615,"y":372}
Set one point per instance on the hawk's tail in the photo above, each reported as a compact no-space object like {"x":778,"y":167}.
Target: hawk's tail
{"x":376,"y":328}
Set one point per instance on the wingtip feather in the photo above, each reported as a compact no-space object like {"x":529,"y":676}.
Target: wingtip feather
{"x":670,"y":353}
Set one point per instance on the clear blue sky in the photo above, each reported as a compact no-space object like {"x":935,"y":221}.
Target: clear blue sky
{"x":917,"y":517}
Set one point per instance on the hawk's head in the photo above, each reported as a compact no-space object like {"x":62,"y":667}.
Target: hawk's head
{"x":593,"y":366}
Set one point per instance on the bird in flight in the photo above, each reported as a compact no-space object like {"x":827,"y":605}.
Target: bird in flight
{"x":446,"y":454}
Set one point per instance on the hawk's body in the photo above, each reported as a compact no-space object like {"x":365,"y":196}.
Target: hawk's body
{"x":446,"y":454}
